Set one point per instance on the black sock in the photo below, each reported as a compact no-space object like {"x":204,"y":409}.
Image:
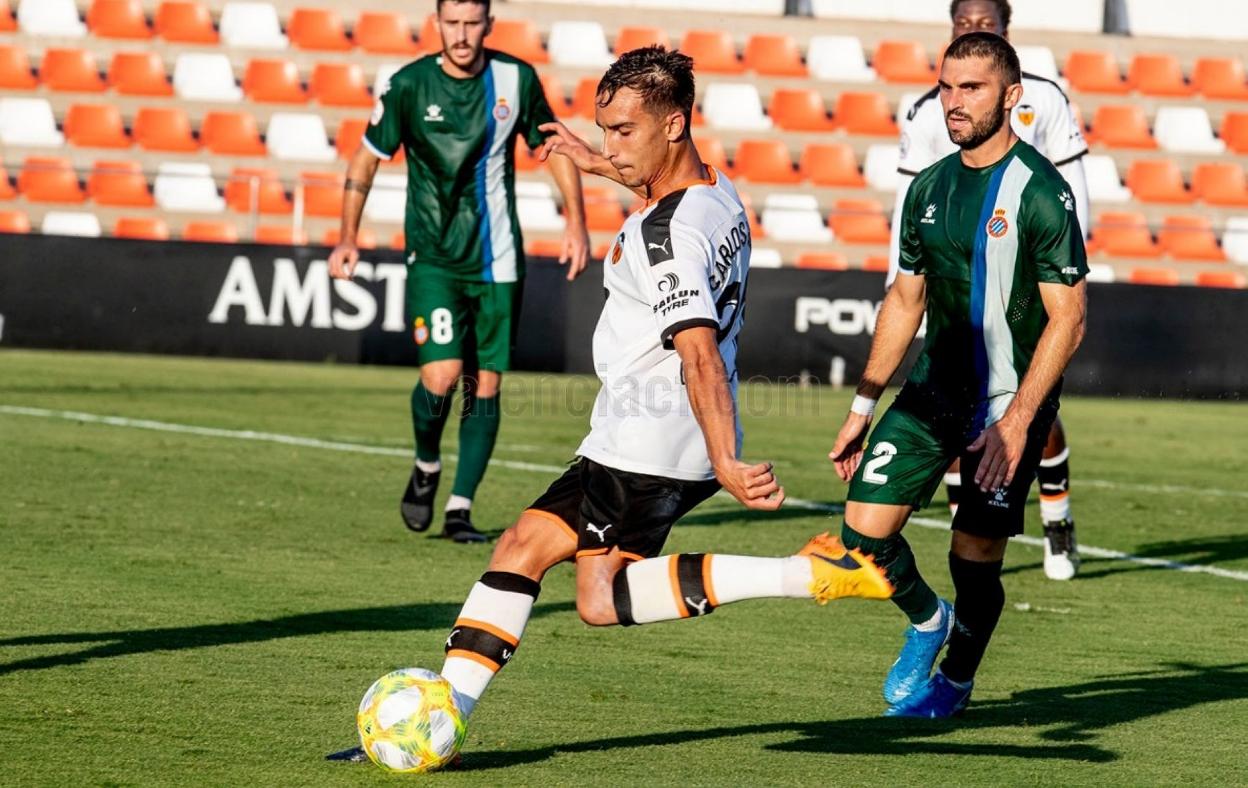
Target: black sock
{"x":978,"y":607}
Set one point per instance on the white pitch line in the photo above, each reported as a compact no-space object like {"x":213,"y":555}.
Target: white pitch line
{"x":363,"y":448}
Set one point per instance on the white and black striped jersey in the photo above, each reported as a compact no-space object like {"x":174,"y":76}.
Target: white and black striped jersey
{"x":677,"y":263}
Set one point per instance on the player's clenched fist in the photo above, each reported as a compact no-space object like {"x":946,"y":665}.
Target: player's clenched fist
{"x":342,"y":261}
{"x":755,"y":486}
{"x":847,"y":451}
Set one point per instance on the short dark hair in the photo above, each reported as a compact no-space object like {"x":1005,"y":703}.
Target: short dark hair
{"x":1003,"y":10}
{"x":663,"y":78}
{"x":485,"y":3}
{"x":990,"y":46}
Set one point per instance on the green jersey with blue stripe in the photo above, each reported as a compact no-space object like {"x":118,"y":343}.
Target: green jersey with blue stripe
{"x":460,"y":138}
{"x":985,"y":239}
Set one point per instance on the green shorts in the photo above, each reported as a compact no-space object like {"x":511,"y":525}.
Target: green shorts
{"x":475,"y":322}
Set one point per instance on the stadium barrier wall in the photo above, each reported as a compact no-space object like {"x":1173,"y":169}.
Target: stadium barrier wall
{"x":269,"y":302}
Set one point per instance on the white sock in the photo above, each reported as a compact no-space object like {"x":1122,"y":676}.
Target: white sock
{"x":486,"y":634}
{"x":932,"y":624}
{"x":679,"y":586}
{"x":458,"y":502}
{"x":429,"y":467}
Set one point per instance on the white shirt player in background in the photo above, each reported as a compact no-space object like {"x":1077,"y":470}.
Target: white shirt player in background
{"x":1045,"y":120}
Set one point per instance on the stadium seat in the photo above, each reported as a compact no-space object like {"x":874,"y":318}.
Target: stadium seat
{"x":603,"y":212}
{"x":1186,"y":130}
{"x":544,"y":247}
{"x":1166,"y":277}
{"x":387,"y":201}
{"x":734,"y":105}
{"x":879,"y":167}
{"x":630,"y":38}
{"x":75,"y":223}
{"x":14,"y":222}
{"x":205,"y":77}
{"x":552,"y":89}
{"x":7,"y":192}
{"x":141,"y":228}
{"x":46,"y":179}
{"x":430,"y":36}
{"x":1190,"y":237}
{"x":859,"y":222}
{"x":185,"y":22}
{"x":365,"y":238}
{"x":322,"y":193}
{"x":1100,"y":272}
{"x":95,"y":126}
{"x":339,"y":84}
{"x":118,"y":19}
{"x":210,"y":232}
{"x":256,"y":189}
{"x":119,"y":183}
{"x":1094,"y":71}
{"x":384,"y":33}
{"x":317,"y":29}
{"x":1220,"y":183}
{"x":524,"y":158}
{"x":8,"y":23}
{"x":765,"y":161}
{"x":350,"y":131}
{"x":712,"y":152}
{"x":28,"y":121}
{"x":773,"y":55}
{"x":281,"y":235}
{"x":273,"y":81}
{"x":864,"y":113}
{"x":1229,"y":279}
{"x":1104,"y":184}
{"x":1157,"y":180}
{"x":1121,"y":234}
{"x":583,"y":98}
{"x":876,"y":262}
{"x":794,"y":217}
{"x":1158,"y":75}
{"x":713,"y":51}
{"x":1122,"y":126}
{"x":298,"y":136}
{"x":903,"y":61}
{"x":578,"y":44}
{"x":52,"y":18}
{"x":231,"y":134}
{"x":251,"y":25}
{"x":187,"y":187}
{"x":164,"y":129}
{"x":1220,"y":78}
{"x":823,"y":261}
{"x":536,"y":209}
{"x":519,"y":38}
{"x":1235,"y":239}
{"x":838,"y":59}
{"x":139,"y":74}
{"x":831,"y":164}
{"x":70,"y":70}
{"x":1234,"y":131}
{"x":15,"y":70}
{"x":1038,"y":60}
{"x":799,"y":109}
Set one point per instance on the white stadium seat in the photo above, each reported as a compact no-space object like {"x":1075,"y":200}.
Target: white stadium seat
{"x":298,"y":136}
{"x":28,"y":121}
{"x":734,"y":105}
{"x":578,"y":45}
{"x":536,"y":208}
{"x":187,"y":187}
{"x":891,"y":10}
{"x":205,"y":77}
{"x":838,"y":59}
{"x":83,"y":225}
{"x":387,"y":200}
{"x":1080,"y":16}
{"x":1039,"y":60}
{"x":57,"y":18}
{"x":1104,"y":184}
{"x":1235,"y":239}
{"x":765,"y":257}
{"x":794,"y":217}
{"x":384,"y":72}
{"x":1100,"y":272}
{"x":252,"y":25}
{"x":880,"y":167}
{"x":1186,"y":130}
{"x":1189,"y":19}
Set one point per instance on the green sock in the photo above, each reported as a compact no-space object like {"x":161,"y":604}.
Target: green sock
{"x":913,"y":595}
{"x":429,"y":412}
{"x":478,"y":429}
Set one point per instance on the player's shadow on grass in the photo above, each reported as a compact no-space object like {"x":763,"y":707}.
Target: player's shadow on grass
{"x":1066,"y":720}
{"x":432,"y":616}
{"x":1204,"y":551}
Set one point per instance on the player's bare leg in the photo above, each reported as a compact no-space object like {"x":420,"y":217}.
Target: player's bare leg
{"x":478,"y":432}
{"x":1061,"y":550}
{"x":431,"y":405}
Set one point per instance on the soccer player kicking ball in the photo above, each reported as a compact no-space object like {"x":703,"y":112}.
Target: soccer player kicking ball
{"x":665,"y":433}
{"x":991,"y":250}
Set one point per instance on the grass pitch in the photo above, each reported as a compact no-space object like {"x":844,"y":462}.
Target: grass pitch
{"x":196,"y":608}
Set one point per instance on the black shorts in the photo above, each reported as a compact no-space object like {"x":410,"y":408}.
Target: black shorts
{"x":609,"y":508}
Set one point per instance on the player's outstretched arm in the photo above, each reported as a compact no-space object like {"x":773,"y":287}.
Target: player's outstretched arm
{"x":575,"y":248}
{"x":360,"y":174}
{"x":579,"y":152}
{"x":706,"y":380}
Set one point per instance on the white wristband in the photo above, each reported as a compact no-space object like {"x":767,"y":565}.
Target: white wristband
{"x":863,"y":406}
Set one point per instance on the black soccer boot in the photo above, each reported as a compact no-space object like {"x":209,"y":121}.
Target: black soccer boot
{"x":417,"y":505}
{"x":459,"y":528}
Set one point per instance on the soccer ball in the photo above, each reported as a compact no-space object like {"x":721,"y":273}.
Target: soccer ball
{"x":408,"y":721}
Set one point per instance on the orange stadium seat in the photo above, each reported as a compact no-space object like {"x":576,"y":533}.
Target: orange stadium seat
{"x":799,"y":109}
{"x":318,"y":29}
{"x":430,"y":36}
{"x":185,"y":22}
{"x":384,"y":33}
{"x":1234,"y":131}
{"x":7,"y":192}
{"x":831,"y":164}
{"x":14,"y":222}
{"x":864,"y":113}
{"x":519,"y":38}
{"x":398,"y":241}
{"x":1124,"y":234}
{"x":603,"y":211}
{"x":543,"y":247}
{"x":49,"y":179}
{"x":15,"y":71}
{"x":765,"y":161}
{"x":712,"y":51}
{"x":142,"y":228}
{"x":1220,"y":183}
{"x":826,"y":261}
{"x":773,"y":55}
{"x":231,"y":134}
{"x":118,"y":19}
{"x":875,"y":262}
{"x":712,"y":151}
{"x":95,"y":126}
{"x":365,"y":238}
{"x":1220,"y":78}
{"x":1232,"y":279}
{"x":164,"y":129}
{"x":322,"y":193}
{"x":139,"y":74}
{"x":1167,"y":277}
{"x":260,"y":184}
{"x":339,"y":84}
{"x":859,"y":222}
{"x":903,"y":61}
{"x":1190,"y":237}
{"x":1157,"y":180}
{"x":218,"y":232}
{"x":281,"y":235}
{"x":70,"y":70}
{"x":119,"y":183}
{"x":1094,"y":71}
{"x":350,"y":132}
{"x":1122,"y":126}
{"x":552,"y":89}
{"x":630,"y":38}
{"x":273,"y":81}
{"x":525,"y":160}
{"x":584,"y":96}
{"x":7,"y":23}
{"x":1158,"y":75}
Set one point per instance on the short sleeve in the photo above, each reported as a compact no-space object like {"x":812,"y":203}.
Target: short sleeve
{"x":384,"y":135}
{"x":1054,"y":242}
{"x":909,"y":246}
{"x":1063,"y":138}
{"x":677,"y":267}
{"x":537,"y":111}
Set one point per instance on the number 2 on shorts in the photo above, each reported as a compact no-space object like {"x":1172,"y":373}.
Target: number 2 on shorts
{"x":442,"y":325}
{"x":883,"y":454}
